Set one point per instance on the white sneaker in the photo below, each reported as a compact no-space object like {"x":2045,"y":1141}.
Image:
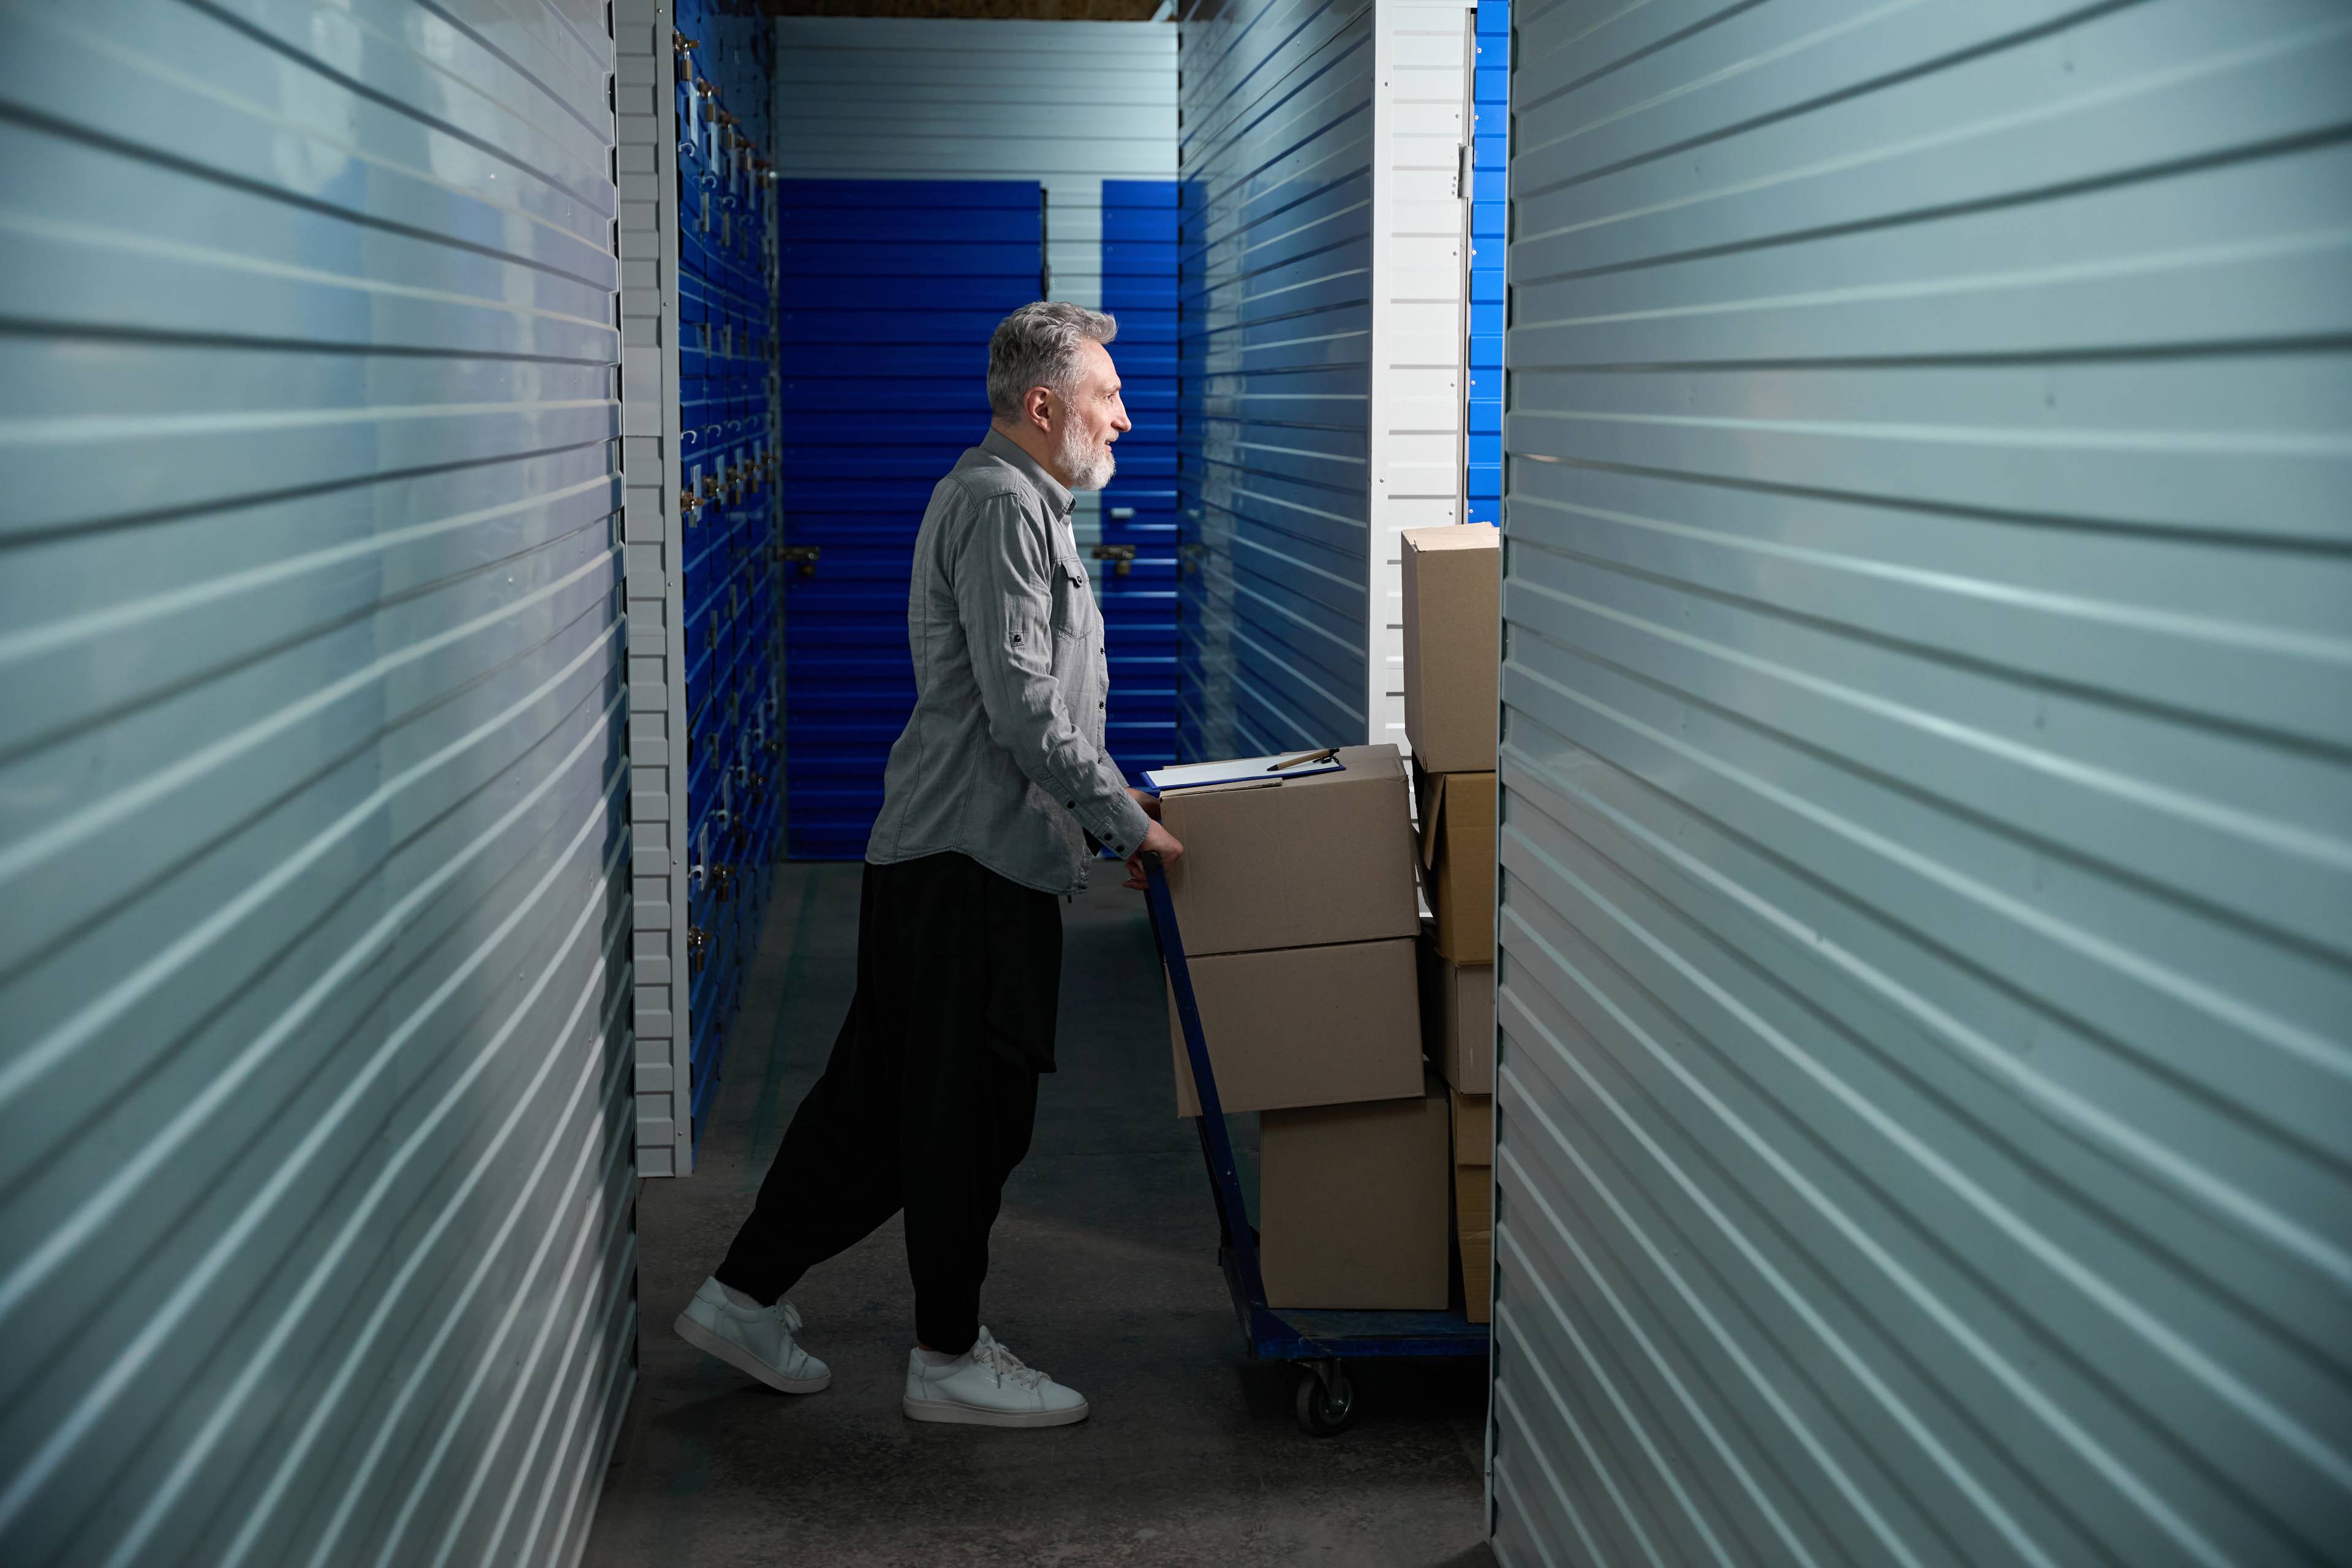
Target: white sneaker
{"x":757,"y":1340}
{"x":988,"y":1386}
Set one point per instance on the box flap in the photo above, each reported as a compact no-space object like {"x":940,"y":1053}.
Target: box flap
{"x":1454,"y":536}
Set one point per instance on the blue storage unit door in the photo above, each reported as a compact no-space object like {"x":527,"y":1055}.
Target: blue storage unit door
{"x":1490,"y":151}
{"x":727,"y":459}
{"x":1137,"y":580}
{"x":887,"y":292}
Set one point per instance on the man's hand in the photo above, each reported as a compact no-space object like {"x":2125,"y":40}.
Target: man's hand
{"x":1147,"y":800}
{"x":1160,"y":842}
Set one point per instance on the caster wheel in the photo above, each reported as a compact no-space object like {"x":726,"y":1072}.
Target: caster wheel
{"x":1326,"y":1411}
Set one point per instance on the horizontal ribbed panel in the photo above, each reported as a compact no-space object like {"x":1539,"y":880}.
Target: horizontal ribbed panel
{"x":315,"y":1161}
{"x":1927,"y":850}
{"x":1273,"y":346}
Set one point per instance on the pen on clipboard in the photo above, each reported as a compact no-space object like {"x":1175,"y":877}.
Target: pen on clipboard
{"x":1304,"y":758}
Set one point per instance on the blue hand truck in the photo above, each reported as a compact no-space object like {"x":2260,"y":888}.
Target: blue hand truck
{"x":1318,"y":1342}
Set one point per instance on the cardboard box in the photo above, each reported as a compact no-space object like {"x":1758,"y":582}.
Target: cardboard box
{"x":1473,"y":1200}
{"x":1304,"y":1025}
{"x":1478,"y":1247}
{"x":1457,"y":1019}
{"x":1474,"y":1127}
{"x":1452,"y":592}
{"x":1353,"y":1204}
{"x":1457,"y":860}
{"x":1307,"y":862}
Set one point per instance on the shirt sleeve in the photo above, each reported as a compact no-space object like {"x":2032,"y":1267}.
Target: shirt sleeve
{"x":1004,"y":599}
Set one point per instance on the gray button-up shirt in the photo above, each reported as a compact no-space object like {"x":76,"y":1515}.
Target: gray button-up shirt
{"x":1003,"y":758}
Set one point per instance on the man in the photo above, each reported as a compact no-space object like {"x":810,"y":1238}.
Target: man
{"x":993,"y":801}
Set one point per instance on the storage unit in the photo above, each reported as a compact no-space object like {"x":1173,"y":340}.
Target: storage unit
{"x":1321,"y":350}
{"x":698,"y":244}
{"x":1926,"y":855}
{"x":314,"y":843}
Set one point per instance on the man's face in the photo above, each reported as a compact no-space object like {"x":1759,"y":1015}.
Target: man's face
{"x":1083,"y":425}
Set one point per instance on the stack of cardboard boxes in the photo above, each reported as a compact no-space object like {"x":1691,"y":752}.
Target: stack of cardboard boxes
{"x":1363,"y":1040}
{"x":1451,"y":655}
{"x":1294,"y":898}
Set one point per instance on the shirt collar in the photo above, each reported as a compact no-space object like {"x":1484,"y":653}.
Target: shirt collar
{"x":997,"y":444}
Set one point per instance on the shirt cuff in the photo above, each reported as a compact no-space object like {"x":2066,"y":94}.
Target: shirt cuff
{"x":1115,"y":820}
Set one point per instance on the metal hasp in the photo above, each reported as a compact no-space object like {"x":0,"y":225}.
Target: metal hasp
{"x":1319,"y":1342}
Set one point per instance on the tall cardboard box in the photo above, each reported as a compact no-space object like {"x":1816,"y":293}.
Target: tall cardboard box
{"x":1305,"y":862}
{"x":1457,"y":859}
{"x":1453,"y":595}
{"x":1303,"y":1025}
{"x":1353,"y":1204}
{"x":1457,"y":1019}
{"x":1474,"y":1201}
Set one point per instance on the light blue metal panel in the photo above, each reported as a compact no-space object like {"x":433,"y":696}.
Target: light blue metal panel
{"x":1273,"y":352}
{"x":315,"y":1142}
{"x":1927,"y":850}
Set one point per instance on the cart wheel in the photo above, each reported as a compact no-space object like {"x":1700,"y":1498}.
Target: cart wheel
{"x":1326,"y":1409}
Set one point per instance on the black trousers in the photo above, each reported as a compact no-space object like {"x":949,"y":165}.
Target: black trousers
{"x":931,"y":1095}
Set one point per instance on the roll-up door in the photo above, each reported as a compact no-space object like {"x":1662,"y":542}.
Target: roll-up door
{"x":315,"y":963}
{"x":730,"y":623}
{"x":1483,"y":311}
{"x":1138,"y":577}
{"x":1275,"y":353}
{"x":888,"y":291}
{"x":1926,"y":934}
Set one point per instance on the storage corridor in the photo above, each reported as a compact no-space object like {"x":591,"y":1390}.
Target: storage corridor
{"x":1102,"y":1265}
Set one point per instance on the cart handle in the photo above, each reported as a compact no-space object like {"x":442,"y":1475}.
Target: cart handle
{"x":1216,"y":1141}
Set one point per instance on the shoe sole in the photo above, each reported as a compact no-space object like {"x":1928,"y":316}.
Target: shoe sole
{"x":956,"y":1414}
{"x":744,"y":1362}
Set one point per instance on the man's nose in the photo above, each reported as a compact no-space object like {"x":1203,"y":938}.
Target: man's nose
{"x":1119,"y":421}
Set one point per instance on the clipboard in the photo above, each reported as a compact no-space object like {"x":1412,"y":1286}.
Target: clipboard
{"x":1242,"y":770}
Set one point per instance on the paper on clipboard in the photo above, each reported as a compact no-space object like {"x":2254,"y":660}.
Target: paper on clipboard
{"x":1235,"y":770}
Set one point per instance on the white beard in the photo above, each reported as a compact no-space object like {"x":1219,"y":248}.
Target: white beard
{"x":1088,"y":469}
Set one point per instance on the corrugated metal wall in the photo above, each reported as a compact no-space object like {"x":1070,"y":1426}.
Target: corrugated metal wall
{"x":1927,"y":938}
{"x":315,"y":1239}
{"x":1275,"y":350}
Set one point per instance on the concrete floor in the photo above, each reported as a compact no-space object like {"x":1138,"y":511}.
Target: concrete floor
{"x":1103,"y":1272}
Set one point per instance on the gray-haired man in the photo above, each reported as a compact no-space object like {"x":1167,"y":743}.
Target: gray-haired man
{"x":994,"y":798}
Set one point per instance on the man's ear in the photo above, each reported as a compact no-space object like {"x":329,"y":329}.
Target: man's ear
{"x":1040,"y":407}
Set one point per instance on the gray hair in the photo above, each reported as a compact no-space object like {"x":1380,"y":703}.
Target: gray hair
{"x":1038,"y":345}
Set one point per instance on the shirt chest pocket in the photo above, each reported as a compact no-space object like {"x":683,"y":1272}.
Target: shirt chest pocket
{"x":1074,"y":599}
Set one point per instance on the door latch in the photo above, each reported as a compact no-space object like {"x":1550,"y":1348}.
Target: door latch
{"x":804,"y":555}
{"x":1124,"y":554}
